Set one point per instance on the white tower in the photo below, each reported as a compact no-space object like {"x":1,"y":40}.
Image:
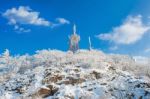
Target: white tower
{"x":74,"y":29}
{"x":90,"y":45}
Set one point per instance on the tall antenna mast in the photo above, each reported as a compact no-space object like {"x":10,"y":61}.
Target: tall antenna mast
{"x":74,"y":29}
{"x":90,"y":45}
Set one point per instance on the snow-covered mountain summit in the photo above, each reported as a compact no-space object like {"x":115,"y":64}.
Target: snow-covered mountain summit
{"x":53,"y":74}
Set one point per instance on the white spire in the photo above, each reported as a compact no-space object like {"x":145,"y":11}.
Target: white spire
{"x":74,"y":29}
{"x":90,"y":46}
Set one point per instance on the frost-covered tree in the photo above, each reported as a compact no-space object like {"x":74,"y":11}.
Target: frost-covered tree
{"x":5,"y":57}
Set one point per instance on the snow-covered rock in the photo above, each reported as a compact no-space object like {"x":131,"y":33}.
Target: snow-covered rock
{"x":53,"y":74}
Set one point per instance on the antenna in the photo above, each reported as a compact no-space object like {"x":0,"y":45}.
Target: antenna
{"x":74,"y":29}
{"x":90,"y":45}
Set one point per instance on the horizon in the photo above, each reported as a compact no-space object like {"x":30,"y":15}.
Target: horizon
{"x":139,"y":58}
{"x":120,"y":27}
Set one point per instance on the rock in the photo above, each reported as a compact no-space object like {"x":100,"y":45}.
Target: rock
{"x":130,"y":95}
{"x":53,"y":89}
{"x":146,"y":93}
{"x":112,"y":68}
{"x":44,"y":92}
{"x":103,"y":83}
{"x":110,"y":89}
{"x":54,"y":79}
{"x":138,"y":85}
{"x":148,"y":85}
{"x":49,"y":90}
{"x":20,"y":90}
{"x":142,"y":85}
{"x":96,"y":74}
{"x":77,"y":70}
{"x":140,"y":97}
{"x":113,"y":78}
{"x":90,"y":89}
{"x":73,"y":81}
{"x":69,"y":97}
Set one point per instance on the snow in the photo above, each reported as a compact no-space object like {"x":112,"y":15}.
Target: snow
{"x":141,"y":59}
{"x":64,"y":75}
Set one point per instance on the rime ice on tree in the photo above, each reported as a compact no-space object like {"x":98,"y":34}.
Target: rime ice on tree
{"x":74,"y":40}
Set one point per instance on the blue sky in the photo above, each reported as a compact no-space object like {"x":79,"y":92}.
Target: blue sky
{"x":115,"y":26}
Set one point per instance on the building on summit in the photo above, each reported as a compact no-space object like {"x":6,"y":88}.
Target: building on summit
{"x":74,"y":41}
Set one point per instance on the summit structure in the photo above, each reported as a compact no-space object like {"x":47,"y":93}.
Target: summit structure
{"x":74,"y":40}
{"x":90,"y":44}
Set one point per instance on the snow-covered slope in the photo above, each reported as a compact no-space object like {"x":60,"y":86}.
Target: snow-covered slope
{"x":53,"y":74}
{"x":141,"y":60}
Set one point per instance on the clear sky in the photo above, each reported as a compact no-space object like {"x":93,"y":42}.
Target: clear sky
{"x":115,"y":26}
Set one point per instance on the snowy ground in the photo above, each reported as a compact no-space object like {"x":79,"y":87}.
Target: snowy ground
{"x":53,"y":74}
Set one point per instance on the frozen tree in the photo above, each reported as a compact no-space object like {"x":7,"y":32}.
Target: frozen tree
{"x":5,"y":57}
